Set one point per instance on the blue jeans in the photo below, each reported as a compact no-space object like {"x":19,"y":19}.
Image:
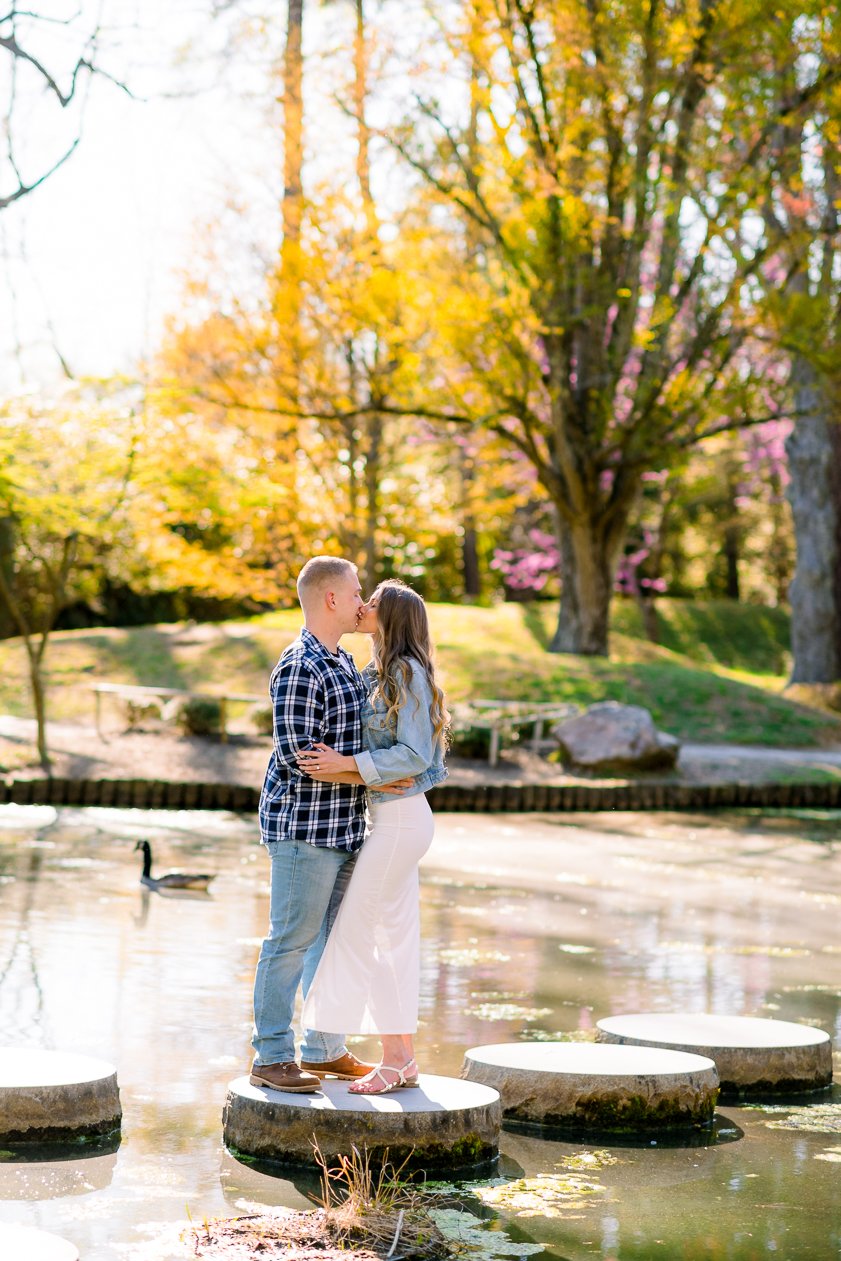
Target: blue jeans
{"x":307,"y":887}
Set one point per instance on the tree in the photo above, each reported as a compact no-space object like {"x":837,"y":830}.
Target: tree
{"x":45,"y":91}
{"x":614,"y":174}
{"x":320,"y":366}
{"x":100,"y":486}
{"x":63,"y":496}
{"x":802,"y":204}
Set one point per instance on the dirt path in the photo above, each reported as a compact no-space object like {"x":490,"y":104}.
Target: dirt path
{"x":79,"y":752}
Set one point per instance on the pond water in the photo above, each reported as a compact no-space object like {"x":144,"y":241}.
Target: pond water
{"x":533,"y":927}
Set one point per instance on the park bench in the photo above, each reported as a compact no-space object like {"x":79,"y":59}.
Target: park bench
{"x":503,"y":717}
{"x":136,"y":692}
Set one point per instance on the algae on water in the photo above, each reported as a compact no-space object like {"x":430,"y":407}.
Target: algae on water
{"x":589,"y":1159}
{"x":482,"y":1240}
{"x":547,"y":1195}
{"x":815,"y":1118}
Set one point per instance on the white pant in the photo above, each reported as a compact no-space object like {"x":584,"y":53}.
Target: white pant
{"x":369,"y":975}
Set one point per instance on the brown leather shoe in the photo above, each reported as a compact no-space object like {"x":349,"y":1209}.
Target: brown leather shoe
{"x":347,"y":1068}
{"x":287,"y":1076}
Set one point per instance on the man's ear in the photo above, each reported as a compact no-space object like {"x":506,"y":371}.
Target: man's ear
{"x":330,"y":599}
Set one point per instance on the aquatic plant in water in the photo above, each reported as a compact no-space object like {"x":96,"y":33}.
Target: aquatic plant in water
{"x":547,"y":1195}
{"x":816,"y":1118}
{"x":480,"y":1240}
{"x":598,"y":1159}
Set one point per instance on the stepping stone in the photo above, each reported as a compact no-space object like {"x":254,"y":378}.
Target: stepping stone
{"x":35,"y":1245}
{"x":50,"y":1096}
{"x":754,"y":1057}
{"x":444,"y":1124}
{"x":587,"y":1087}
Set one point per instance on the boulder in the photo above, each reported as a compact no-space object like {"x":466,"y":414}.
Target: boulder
{"x":614,"y":737}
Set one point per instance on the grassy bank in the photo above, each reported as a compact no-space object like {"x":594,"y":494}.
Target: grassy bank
{"x":717,"y":674}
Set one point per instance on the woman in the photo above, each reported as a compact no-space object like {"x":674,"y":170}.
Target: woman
{"x":369,"y":975}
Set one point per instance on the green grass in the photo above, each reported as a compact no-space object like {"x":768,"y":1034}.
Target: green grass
{"x":717,"y":675}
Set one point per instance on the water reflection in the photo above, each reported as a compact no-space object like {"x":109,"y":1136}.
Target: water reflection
{"x":30,"y":1175}
{"x":532,"y":928}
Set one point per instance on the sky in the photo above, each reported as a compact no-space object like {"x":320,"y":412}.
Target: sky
{"x":92,"y":260}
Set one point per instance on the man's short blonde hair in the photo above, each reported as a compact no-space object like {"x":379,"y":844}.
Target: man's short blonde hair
{"x":321,"y":572}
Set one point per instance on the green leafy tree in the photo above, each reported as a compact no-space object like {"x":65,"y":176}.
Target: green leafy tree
{"x":63,"y":498}
{"x":101,"y":487}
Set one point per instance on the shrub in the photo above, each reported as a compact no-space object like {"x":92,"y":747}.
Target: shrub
{"x":262,"y":719}
{"x":471,"y":742}
{"x":140,"y":712}
{"x":201,"y":716}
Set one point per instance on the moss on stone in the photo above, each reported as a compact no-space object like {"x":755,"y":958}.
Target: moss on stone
{"x":790,"y":1088}
{"x":464,"y":1155}
{"x":634,"y":1114}
{"x":94,"y":1132}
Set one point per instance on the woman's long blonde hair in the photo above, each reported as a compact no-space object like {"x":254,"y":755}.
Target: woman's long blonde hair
{"x":403,"y":633}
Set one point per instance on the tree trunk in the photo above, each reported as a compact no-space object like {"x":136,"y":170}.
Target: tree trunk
{"x":587,"y":578}
{"x":293,"y":128}
{"x":814,"y":593}
{"x":288,"y":381}
{"x":39,"y":699}
{"x":7,"y":546}
{"x":470,"y":560}
{"x":373,"y":463}
{"x":731,"y":558}
{"x":650,"y":621}
{"x":470,"y":540}
{"x":732,"y":542}
{"x":835,"y":491}
{"x":363,"y":134}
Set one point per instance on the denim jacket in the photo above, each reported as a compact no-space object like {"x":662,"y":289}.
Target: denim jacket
{"x":407,"y":750}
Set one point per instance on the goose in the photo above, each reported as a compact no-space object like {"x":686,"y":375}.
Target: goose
{"x":172,"y":879}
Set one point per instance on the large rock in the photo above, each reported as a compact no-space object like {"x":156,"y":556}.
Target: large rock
{"x":614,"y":737}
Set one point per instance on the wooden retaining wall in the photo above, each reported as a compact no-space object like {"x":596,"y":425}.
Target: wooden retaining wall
{"x":149,"y":794}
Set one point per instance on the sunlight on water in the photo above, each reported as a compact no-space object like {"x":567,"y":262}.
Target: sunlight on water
{"x":533,"y":929}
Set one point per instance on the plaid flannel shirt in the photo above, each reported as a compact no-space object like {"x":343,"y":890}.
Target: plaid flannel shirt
{"x":316,"y":696}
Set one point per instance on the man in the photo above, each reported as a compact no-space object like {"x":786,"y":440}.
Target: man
{"x":311,"y":829}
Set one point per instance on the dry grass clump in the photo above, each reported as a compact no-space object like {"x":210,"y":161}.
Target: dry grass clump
{"x":367,"y":1205}
{"x":366,"y":1214}
{"x":283,"y":1233}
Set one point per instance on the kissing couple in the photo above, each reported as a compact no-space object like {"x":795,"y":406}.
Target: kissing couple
{"x":345,"y":821}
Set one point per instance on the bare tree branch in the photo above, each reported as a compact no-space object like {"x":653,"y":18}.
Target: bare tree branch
{"x":23,"y":189}
{"x":21,"y":54}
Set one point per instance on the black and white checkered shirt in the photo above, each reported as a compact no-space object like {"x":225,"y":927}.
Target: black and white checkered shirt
{"x":317,"y":696}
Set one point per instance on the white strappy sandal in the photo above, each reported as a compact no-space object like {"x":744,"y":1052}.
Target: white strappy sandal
{"x":406,"y":1079}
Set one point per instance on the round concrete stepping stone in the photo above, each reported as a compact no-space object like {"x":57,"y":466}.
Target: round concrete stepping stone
{"x":35,"y":1245}
{"x":444,"y":1124}
{"x":48,"y":1096}
{"x":590,"y":1087}
{"x":754,"y":1057}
